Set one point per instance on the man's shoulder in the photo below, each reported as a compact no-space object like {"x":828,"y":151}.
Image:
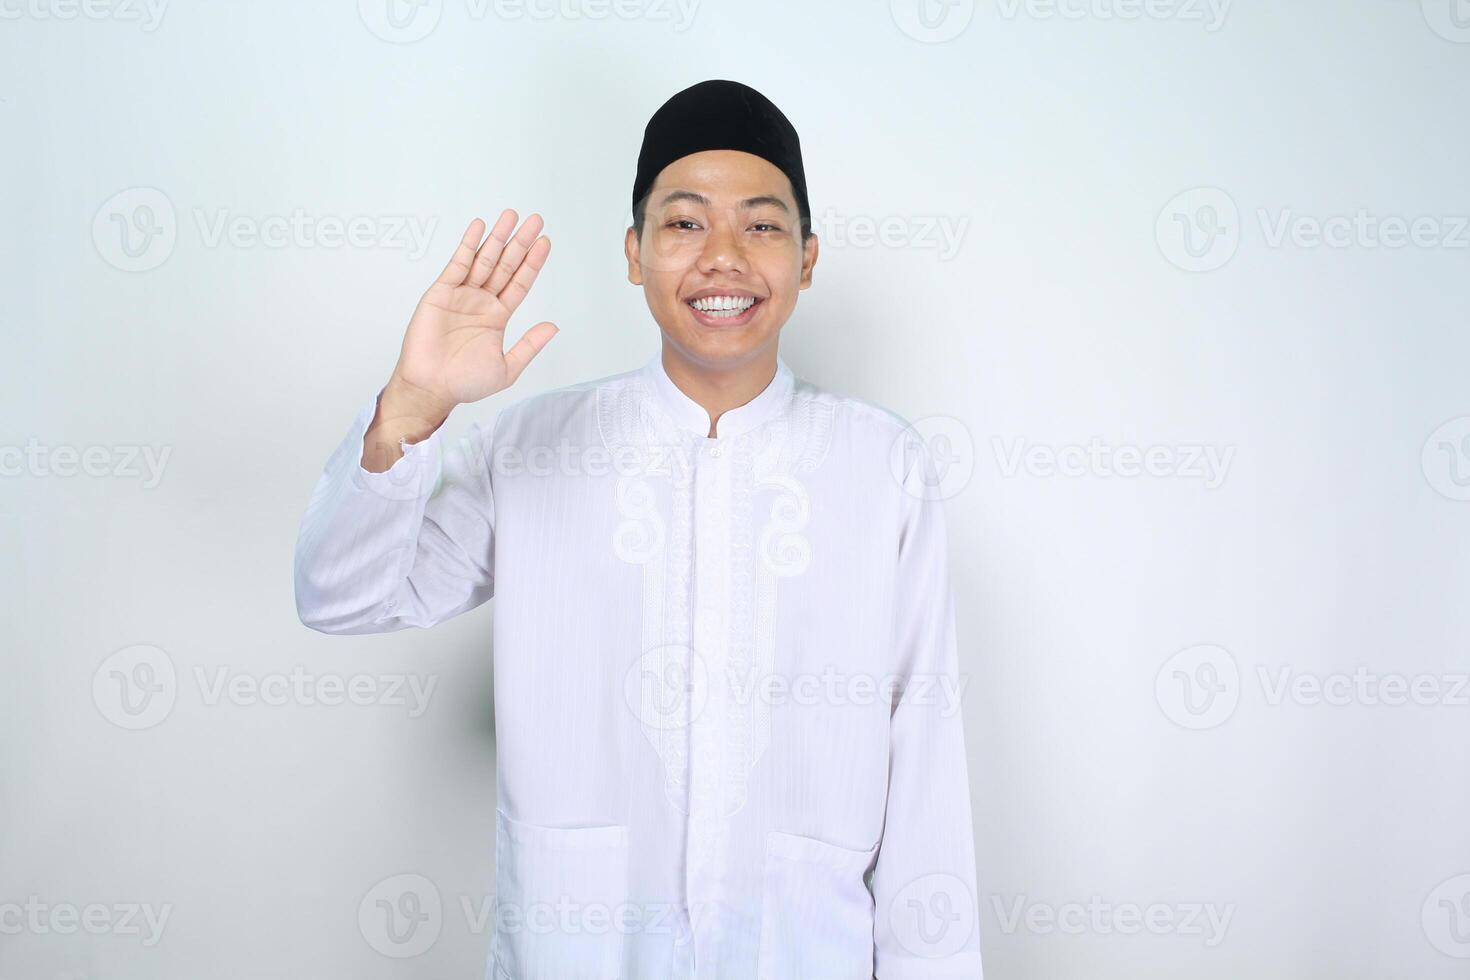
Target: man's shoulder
{"x":861,"y":414}
{"x":880,"y":437}
{"x":564,"y":402}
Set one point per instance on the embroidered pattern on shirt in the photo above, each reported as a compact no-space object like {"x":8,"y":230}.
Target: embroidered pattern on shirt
{"x":709,"y":583}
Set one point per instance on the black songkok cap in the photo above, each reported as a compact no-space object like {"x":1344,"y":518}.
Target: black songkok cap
{"x":720,"y":115}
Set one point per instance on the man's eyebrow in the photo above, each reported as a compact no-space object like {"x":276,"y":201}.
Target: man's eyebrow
{"x":764,"y":200}
{"x":689,"y":196}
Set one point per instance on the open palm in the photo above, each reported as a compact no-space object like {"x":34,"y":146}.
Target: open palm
{"x":454,"y":350}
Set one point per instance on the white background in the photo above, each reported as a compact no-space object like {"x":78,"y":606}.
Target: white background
{"x":1124,"y":637}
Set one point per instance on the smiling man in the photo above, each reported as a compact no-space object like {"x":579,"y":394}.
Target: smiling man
{"x":728,"y":731}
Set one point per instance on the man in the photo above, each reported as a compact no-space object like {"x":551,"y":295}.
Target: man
{"x":728,"y":736}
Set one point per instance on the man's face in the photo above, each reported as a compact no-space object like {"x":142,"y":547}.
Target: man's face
{"x":721,"y":258}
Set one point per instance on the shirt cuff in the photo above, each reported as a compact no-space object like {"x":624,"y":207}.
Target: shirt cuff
{"x":413,"y":476}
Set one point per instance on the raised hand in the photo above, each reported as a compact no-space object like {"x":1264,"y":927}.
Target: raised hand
{"x":454,"y":349}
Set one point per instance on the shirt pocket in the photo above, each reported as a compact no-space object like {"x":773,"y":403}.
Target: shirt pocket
{"x":816,"y":911}
{"x":559,"y":892}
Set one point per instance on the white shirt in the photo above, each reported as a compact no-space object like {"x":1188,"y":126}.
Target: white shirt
{"x":703,"y":768}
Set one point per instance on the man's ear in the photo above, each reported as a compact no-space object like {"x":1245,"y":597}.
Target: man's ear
{"x":630,"y":249}
{"x":808,"y":260}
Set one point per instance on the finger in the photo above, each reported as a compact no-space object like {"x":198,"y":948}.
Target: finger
{"x":510,"y":259}
{"x":520,"y":283}
{"x":464,"y":254}
{"x":489,"y":252}
{"x":526,"y":348}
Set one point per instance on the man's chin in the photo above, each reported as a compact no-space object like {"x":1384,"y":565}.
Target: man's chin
{"x":723,"y":349}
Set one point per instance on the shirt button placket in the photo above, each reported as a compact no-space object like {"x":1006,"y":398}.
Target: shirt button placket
{"x":711,"y":591}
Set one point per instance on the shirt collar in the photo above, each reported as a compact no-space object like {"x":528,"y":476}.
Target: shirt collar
{"x":688,"y":414}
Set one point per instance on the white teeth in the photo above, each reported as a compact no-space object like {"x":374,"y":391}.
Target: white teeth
{"x":723,"y":306}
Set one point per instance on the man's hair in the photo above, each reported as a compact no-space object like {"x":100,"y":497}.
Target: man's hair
{"x":640,"y":213}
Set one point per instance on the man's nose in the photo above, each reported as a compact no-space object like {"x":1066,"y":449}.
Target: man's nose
{"x":723,"y":249}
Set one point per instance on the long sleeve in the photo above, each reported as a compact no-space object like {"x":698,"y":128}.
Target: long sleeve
{"x":926,"y":911}
{"x":411,"y":546}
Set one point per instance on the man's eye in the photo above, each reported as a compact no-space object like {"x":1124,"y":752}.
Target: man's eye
{"x":766,"y":226}
{"x":682,"y":224}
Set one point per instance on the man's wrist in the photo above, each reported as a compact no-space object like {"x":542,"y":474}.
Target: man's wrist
{"x":404,"y":414}
{"x":411,"y":409}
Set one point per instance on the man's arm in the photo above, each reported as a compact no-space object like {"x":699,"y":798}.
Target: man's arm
{"x":400,"y":528}
{"x":926,"y":922}
{"x":412,"y":545}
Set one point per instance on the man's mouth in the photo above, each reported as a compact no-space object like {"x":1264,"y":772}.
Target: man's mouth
{"x":724,"y":309}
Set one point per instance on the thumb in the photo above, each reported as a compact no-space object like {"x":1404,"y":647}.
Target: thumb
{"x":528,"y":347}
